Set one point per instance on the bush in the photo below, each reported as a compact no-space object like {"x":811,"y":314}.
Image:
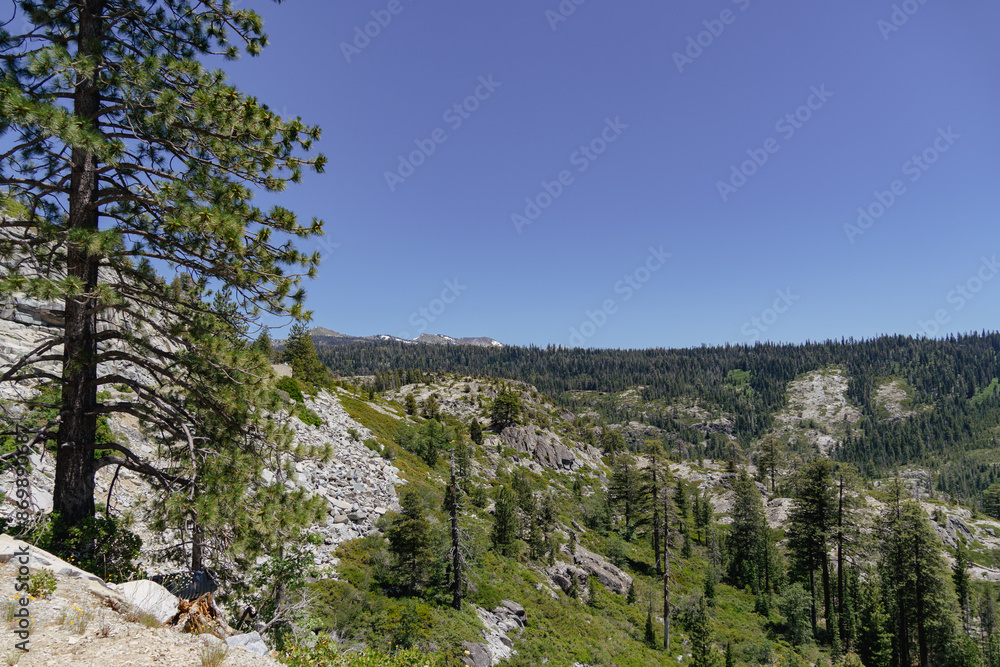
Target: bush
{"x":308,"y":417}
{"x":43,"y":584}
{"x":100,"y":545}
{"x":325,"y":653}
{"x":292,"y":387}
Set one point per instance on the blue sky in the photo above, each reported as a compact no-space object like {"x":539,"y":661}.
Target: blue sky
{"x":697,"y":168}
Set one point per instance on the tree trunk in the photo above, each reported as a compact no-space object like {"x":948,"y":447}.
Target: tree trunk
{"x":656,"y":525}
{"x":666,"y":572}
{"x":921,"y":612}
{"x":901,"y":633}
{"x":456,"y":556}
{"x":826,"y":592}
{"x":841,"y":602}
{"x":666,"y":599}
{"x":812,"y":598}
{"x":196,"y":542}
{"x":73,"y":497}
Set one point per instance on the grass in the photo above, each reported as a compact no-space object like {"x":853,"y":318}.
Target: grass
{"x":382,"y":426}
{"x":143,"y":618}
{"x":75,"y":619}
{"x":213,"y":655}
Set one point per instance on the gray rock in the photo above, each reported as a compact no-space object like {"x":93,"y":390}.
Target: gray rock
{"x":151,"y":598}
{"x":514,"y":608}
{"x":251,"y":642}
{"x":610,"y":576}
{"x":545,"y":446}
{"x":476,"y":655}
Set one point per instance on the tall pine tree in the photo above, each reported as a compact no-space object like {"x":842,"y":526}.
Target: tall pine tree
{"x":124,"y":150}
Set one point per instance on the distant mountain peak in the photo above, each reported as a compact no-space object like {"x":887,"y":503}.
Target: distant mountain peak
{"x":329,"y":336}
{"x":322,"y":331}
{"x":442,"y":339}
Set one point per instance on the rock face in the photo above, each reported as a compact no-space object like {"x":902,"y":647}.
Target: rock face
{"x":563,"y":574}
{"x":251,"y":642}
{"x":545,"y":446}
{"x":358,"y":484}
{"x":84,"y":622}
{"x":611,"y":577}
{"x":509,"y":616}
{"x":150,"y":597}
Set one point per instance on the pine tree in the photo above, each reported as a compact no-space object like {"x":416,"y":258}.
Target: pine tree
{"x":408,"y":534}
{"x":624,"y":491}
{"x":922,"y":600}
{"x":812,"y":520}
{"x":125,"y":151}
{"x":960,"y":577}
{"x":649,"y":635}
{"x":746,"y":545}
{"x":770,"y":459}
{"x":476,"y":431}
{"x":592,"y":591}
{"x":503,"y":535}
{"x":654,"y":478}
{"x":701,"y":637}
{"x":300,"y":354}
{"x":505,"y":410}
{"x":851,"y":524}
{"x":709,"y":588}
{"x":263,"y":344}
{"x":874,"y":645}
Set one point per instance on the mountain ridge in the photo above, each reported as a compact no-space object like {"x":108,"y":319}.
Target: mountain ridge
{"x":331,"y":337}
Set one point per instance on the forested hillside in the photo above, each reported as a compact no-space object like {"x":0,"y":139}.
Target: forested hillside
{"x":953,"y":380}
{"x":660,"y":533}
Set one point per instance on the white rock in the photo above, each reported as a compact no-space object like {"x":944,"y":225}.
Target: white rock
{"x":151,"y":598}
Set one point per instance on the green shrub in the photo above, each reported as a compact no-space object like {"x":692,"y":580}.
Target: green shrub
{"x":307,"y":416}
{"x":43,"y":584}
{"x":292,"y":387}
{"x":100,"y":545}
{"x":328,"y":654}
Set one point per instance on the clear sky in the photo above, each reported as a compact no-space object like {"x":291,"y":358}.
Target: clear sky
{"x":645,"y":174}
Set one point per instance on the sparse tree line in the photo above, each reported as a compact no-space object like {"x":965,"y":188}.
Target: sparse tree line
{"x":872,"y":586}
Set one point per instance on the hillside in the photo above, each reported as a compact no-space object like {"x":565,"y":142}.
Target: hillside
{"x":568,"y":496}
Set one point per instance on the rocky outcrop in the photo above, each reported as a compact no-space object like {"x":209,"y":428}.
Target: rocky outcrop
{"x":612,"y":578}
{"x":497,"y":646}
{"x":563,"y":575}
{"x":358,"y":484}
{"x":85,"y":622}
{"x":545,"y":446}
